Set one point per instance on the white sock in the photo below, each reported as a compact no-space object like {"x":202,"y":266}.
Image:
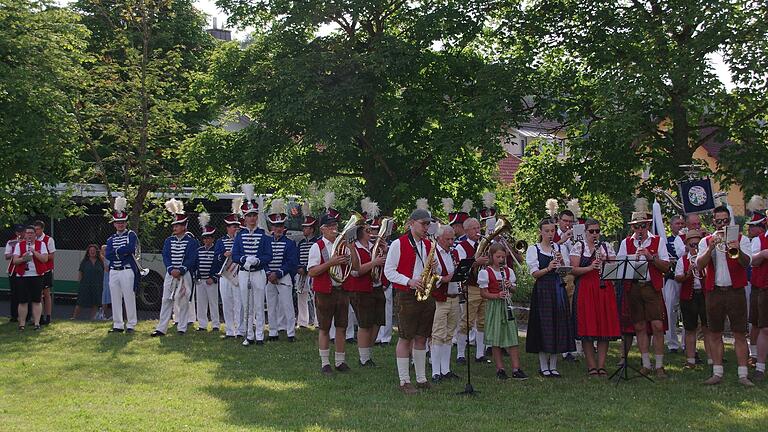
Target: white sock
{"x":324,"y":355}
{"x":659,"y":361}
{"x":717,"y":370}
{"x":646,"y":360}
{"x":403,"y":369}
{"x":365,"y":354}
{"x":420,"y":365}
{"x":461,"y":345}
{"x":436,"y":357}
{"x":752,"y":350}
{"x":339,"y":357}
{"x":692,"y":360}
{"x":543,"y":361}
{"x":445,"y":363}
{"x":579,"y":348}
{"x":760,"y":367}
{"x":742,"y":372}
{"x":553,"y":362}
{"x":479,"y":345}
{"x":710,"y":362}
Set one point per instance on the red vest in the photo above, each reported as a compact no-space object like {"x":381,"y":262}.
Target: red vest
{"x":737,"y":272}
{"x":11,"y":265}
{"x":48,"y":265}
{"x":472,"y":280}
{"x":40,"y":267}
{"x":686,"y":291}
{"x":760,"y":273}
{"x":408,"y":260}
{"x":494,"y":286}
{"x":441,"y":293}
{"x":322,"y":283}
{"x":657,"y":279}
{"x":360,"y":283}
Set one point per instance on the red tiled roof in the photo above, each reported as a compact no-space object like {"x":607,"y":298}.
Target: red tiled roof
{"x":508,"y":167}
{"x":713,"y":145}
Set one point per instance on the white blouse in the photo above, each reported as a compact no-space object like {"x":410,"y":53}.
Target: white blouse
{"x":532,"y":258}
{"x":483,"y":278}
{"x":579,"y":246}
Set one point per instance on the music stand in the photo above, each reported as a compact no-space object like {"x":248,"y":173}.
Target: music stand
{"x":621,"y":270}
{"x":461,"y":275}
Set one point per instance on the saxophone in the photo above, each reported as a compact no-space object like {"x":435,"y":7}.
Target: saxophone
{"x":429,"y":279}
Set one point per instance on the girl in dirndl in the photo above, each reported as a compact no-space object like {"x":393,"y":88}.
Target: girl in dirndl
{"x":497,"y":283}
{"x":596,"y":314}
{"x":550,"y":329}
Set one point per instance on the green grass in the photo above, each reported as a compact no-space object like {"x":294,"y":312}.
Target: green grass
{"x":73,"y":376}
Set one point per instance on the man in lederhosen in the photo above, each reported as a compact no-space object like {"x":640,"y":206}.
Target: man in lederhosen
{"x":123,"y":269}
{"x":475,"y":305}
{"x":48,"y":275}
{"x":759,"y":249}
{"x":280,"y":273}
{"x":12,"y":276}
{"x":179,"y":258}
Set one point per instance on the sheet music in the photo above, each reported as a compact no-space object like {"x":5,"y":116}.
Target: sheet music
{"x":731,"y":233}
{"x":579,"y":232}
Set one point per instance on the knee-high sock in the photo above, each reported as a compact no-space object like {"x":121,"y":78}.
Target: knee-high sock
{"x":420,"y":365}
{"x":437,"y":359}
{"x":403,"y":369}
{"x":445,"y":365}
{"x":479,"y":345}
{"x":543,"y":361}
{"x":461,"y":344}
{"x":553,"y":362}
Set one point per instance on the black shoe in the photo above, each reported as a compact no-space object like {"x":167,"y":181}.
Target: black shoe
{"x":480,"y":360}
{"x":673,"y":351}
{"x":461,"y":360}
{"x":488,"y":351}
{"x":383,"y":344}
{"x":291,"y":338}
{"x":228,"y":336}
{"x":554,"y":373}
{"x":274,"y":338}
{"x":343,"y":367}
{"x":37,"y":327}
{"x":215,"y":329}
{"x":437,"y":378}
{"x":326,"y":370}
{"x":238,"y":336}
{"x":450,"y":376}
{"x":570,"y":358}
{"x":352,"y":341}
{"x":259,"y":342}
{"x":519,"y":375}
{"x":157,"y":333}
{"x":180,"y":333}
{"x":130,"y":331}
{"x":202,"y":329}
{"x":46,"y":320}
{"x":115,"y":330}
{"x":502,"y":374}
{"x":369,"y":363}
{"x":248,"y":342}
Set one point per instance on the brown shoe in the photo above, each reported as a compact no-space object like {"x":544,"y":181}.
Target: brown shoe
{"x":424,"y":386}
{"x":713,"y":380}
{"x":408,"y":389}
{"x":746,"y":382}
{"x":689,"y":366}
{"x":752,"y":362}
{"x":326,"y":370}
{"x":645,"y":371}
{"x":342,"y":367}
{"x":661,"y":373}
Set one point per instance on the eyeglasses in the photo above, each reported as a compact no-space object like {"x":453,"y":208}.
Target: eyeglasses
{"x":594,"y":231}
{"x":639,"y":225}
{"x":368,"y":230}
{"x":425,"y":222}
{"x":721,"y":221}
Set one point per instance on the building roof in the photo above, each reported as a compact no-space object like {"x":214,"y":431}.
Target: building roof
{"x":508,"y":168}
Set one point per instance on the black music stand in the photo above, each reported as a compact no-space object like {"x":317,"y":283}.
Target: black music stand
{"x":621,"y":270}
{"x":460,"y":275}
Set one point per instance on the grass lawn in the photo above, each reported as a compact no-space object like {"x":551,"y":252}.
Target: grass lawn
{"x":74,"y":376}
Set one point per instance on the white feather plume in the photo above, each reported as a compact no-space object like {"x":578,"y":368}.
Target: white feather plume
{"x":174,"y":206}
{"x":755,"y":203}
{"x":448,"y":205}
{"x":422,"y":203}
{"x":204,"y":218}
{"x":365,"y":203}
{"x":306,"y":209}
{"x":248,"y":191}
{"x":372,"y":209}
{"x":329,"y":199}
{"x":120,"y":203}
{"x":573,"y":206}
{"x":467,"y":206}
{"x":278,"y":206}
{"x":641,"y":205}
{"x":236,"y":204}
{"x":552,"y":207}
{"x":489,"y":199}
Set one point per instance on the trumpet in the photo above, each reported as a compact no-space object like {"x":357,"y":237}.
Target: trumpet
{"x":721,"y":246}
{"x":692,"y":263}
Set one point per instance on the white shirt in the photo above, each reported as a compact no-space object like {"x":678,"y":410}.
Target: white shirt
{"x":453,"y":287}
{"x":662,"y":253}
{"x":722,"y":275}
{"x":51,"y":244}
{"x":463,"y":252}
{"x":31,"y":270}
{"x":532,"y":257}
{"x":314,"y":253}
{"x":578,"y":246}
{"x":565,"y":247}
{"x":9,"y":246}
{"x":756,"y":247}
{"x":355,"y":273}
{"x":679,"y":246}
{"x":393,"y":259}
{"x":679,"y":272}
{"x":483,"y":278}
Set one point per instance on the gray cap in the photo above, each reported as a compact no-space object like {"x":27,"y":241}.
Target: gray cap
{"x":327,"y":219}
{"x":420,"y":214}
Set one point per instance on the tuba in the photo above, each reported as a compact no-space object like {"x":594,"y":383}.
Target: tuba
{"x":385,"y":231}
{"x":501,"y":228}
{"x":347,"y":236}
{"x":429,"y":279}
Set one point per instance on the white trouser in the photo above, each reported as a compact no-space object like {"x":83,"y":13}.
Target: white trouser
{"x":181,"y":297}
{"x":207,"y":298}
{"x":672,"y":302}
{"x":385,"y":331}
{"x":280,"y":306}
{"x":121,"y":290}
{"x":302,"y":300}
{"x":230,"y":302}
{"x":253,"y":307}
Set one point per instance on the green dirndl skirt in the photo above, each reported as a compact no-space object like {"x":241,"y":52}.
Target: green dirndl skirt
{"x":498,"y":331}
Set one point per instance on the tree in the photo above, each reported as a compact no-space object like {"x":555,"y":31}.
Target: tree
{"x":397,"y":94}
{"x":41,"y":47}
{"x":138,"y":103}
{"x":634,"y":83}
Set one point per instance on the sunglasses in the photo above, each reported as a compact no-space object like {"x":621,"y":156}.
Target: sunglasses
{"x":639,"y":225}
{"x":721,"y":221}
{"x":594,"y":231}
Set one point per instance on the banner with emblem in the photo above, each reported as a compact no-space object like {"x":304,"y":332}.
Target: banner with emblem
{"x":696,"y":195}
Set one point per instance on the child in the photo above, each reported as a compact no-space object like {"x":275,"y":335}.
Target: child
{"x":500,"y":324}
